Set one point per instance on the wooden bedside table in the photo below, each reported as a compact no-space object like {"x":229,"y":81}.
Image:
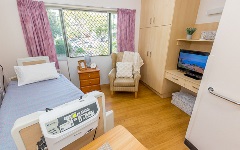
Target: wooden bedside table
{"x":118,"y":138}
{"x":89,"y":80}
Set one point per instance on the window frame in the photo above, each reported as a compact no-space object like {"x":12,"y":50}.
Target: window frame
{"x":87,"y":9}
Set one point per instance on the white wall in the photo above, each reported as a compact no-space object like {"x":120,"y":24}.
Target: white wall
{"x":13,"y":44}
{"x":206,"y":5}
{"x":63,"y":65}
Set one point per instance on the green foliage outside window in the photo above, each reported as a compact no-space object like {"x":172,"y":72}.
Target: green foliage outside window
{"x":86,"y":32}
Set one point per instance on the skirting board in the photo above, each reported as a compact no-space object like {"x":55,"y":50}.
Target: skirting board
{"x":189,"y":145}
{"x":167,"y":95}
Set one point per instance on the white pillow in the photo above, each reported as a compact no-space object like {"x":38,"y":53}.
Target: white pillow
{"x":124,"y":70}
{"x":35,"y":73}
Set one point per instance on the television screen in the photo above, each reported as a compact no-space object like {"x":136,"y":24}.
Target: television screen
{"x":192,"y":61}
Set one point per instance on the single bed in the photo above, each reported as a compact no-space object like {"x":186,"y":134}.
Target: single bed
{"x":24,"y":100}
{"x":21,"y":101}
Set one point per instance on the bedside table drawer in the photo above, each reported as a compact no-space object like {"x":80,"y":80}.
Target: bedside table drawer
{"x":90,"y":75}
{"x":87,"y":89}
{"x":175,"y":79}
{"x":90,"y":82}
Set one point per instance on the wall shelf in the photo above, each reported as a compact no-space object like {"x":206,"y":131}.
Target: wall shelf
{"x":185,"y":40}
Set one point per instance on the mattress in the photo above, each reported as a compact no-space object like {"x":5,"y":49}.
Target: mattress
{"x":27,"y":99}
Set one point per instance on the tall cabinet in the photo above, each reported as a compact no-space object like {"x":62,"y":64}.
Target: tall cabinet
{"x":157,"y":12}
{"x":162,"y":23}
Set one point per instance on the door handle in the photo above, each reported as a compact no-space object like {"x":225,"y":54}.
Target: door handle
{"x":150,"y":20}
{"x":150,"y":54}
{"x":147,"y":53}
{"x":211,"y":90}
{"x":154,"y":20}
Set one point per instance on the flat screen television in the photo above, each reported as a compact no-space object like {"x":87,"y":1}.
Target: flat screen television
{"x":192,"y":63}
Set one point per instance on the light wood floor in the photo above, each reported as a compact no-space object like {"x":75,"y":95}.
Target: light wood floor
{"x":154,"y":121}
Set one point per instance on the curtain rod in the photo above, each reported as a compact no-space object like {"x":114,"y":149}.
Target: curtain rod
{"x":79,"y":7}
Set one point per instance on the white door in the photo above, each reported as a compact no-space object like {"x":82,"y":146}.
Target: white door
{"x":215,"y":122}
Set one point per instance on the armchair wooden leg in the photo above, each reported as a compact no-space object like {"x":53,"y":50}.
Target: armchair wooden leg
{"x":136,"y":94}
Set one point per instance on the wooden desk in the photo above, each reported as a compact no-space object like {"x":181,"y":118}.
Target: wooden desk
{"x":118,"y":138}
{"x":89,"y":80}
{"x":182,"y":80}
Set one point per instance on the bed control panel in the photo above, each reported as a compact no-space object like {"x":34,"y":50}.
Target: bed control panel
{"x":69,"y":122}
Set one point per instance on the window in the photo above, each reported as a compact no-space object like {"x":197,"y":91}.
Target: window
{"x":77,"y":32}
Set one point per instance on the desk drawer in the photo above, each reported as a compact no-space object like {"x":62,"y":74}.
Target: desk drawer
{"x":175,"y":79}
{"x":191,"y":86}
{"x":87,"y":89}
{"x":90,"y":82}
{"x":90,"y":75}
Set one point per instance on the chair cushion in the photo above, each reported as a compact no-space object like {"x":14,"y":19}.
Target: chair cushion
{"x":124,"y":82}
{"x":124,"y":70}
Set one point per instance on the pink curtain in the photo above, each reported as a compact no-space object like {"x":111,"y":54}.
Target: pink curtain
{"x":126,"y":30}
{"x":36,"y":29}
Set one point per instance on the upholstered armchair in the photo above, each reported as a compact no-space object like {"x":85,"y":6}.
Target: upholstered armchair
{"x":122,"y":84}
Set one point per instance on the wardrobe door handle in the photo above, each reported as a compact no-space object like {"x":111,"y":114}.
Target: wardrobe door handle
{"x":147,"y":53}
{"x":150,"y":20}
{"x":150,"y":54}
{"x":154,"y":20}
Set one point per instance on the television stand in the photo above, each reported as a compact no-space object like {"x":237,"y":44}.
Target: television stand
{"x":190,"y":75}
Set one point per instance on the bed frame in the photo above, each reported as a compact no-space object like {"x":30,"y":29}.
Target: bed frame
{"x":26,"y":131}
{"x":32,"y":60}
